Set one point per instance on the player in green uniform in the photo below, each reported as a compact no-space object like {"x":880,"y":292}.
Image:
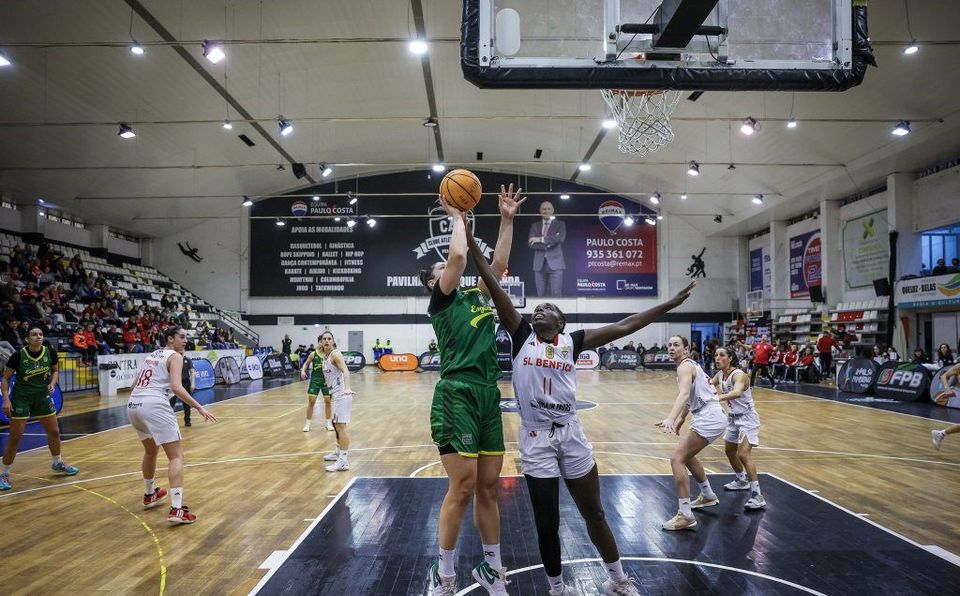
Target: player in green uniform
{"x":36,"y":368}
{"x":465,"y":419}
{"x":317,"y":387}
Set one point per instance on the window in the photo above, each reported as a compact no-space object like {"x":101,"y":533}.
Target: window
{"x":941,"y":243}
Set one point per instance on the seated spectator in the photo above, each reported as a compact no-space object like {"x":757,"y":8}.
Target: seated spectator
{"x":806,"y":366}
{"x":892,"y":354}
{"x":941,"y":267}
{"x":955,"y":265}
{"x":88,"y":353}
{"x":432,"y":347}
{"x":919,"y":356}
{"x":633,"y":348}
{"x":131,"y":339}
{"x":879,"y":355}
{"x":114,"y":339}
{"x":945,"y":356}
{"x":29,"y":291}
{"x":8,"y":291}
{"x":790,"y":360}
{"x":47,"y":277}
{"x":8,"y":331}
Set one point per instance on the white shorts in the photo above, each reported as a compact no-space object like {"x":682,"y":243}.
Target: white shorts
{"x":563,"y":452}
{"x":709,"y":422}
{"x":341,"y":407}
{"x":743,"y":425}
{"x":153,"y":418}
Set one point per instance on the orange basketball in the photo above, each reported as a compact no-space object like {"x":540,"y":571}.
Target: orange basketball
{"x":462,"y":189}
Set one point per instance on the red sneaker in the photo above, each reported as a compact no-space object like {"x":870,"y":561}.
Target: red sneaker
{"x":151,"y":501}
{"x":181,"y":515}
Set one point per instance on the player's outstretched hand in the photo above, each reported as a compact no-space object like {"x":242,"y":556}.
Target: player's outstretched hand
{"x":683,"y":294}
{"x":450,"y":209}
{"x":207,"y":415}
{"x":510,"y":201}
{"x":668,"y":426}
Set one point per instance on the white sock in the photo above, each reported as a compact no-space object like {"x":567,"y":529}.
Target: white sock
{"x":615,"y":571}
{"x":329,"y":420}
{"x":6,"y":468}
{"x":447,"y":558}
{"x":556,"y":583}
{"x":58,"y":459}
{"x":755,"y":486}
{"x":685,"y":507}
{"x":148,"y":486}
{"x":343,"y":456}
{"x":742,"y":476}
{"x":176,"y":497}
{"x":705,"y":488}
{"x":491,"y":554}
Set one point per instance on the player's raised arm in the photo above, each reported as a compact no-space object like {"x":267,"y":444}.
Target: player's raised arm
{"x":457,"y":253}
{"x":509,"y":203}
{"x":601,"y":336}
{"x":509,"y":316}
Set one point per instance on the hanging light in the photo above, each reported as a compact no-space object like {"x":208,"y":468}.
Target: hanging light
{"x":325,"y":170}
{"x":213,"y":51}
{"x":792,"y":123}
{"x":126,"y":132}
{"x":315,"y":198}
{"x":659,"y":217}
{"x":227,"y":125}
{"x":655,"y":198}
{"x":371,"y":222}
{"x":912,"y":48}
{"x":431,"y":123}
{"x":247,"y":201}
{"x":564,"y":197}
{"x":285,"y":127}
{"x":418,"y":46}
{"x":280,"y":222}
{"x":353,"y":198}
{"x":584,"y":167}
{"x":136,"y":48}
{"x":694,"y":169}
{"x":758,"y":199}
{"x":439,"y":168}
{"x":650,"y":221}
{"x":4,"y":61}
{"x":749,"y":126}
{"x":683,"y":197}
{"x":351,"y":222}
{"x":902,"y":128}
{"x":609,"y":123}
{"x":628,"y":220}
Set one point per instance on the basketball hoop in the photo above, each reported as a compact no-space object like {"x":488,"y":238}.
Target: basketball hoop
{"x":754,"y":305}
{"x":643,"y":117}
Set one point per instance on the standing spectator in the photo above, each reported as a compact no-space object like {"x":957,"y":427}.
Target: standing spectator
{"x":633,"y":348}
{"x":286,"y":343}
{"x":761,"y":361}
{"x":825,"y":345}
{"x":546,"y":239}
{"x":433,"y":345}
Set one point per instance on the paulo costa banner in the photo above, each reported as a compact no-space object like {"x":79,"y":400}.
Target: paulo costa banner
{"x":599,"y":242}
{"x":804,"y":263}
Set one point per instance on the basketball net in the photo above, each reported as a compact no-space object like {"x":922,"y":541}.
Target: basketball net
{"x":643,"y":118}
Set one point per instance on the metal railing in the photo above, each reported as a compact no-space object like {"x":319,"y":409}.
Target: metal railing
{"x":75,"y":375}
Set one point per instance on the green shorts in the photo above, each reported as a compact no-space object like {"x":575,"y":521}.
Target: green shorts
{"x":465,"y":417}
{"x":25,"y":406}
{"x":317,"y":387}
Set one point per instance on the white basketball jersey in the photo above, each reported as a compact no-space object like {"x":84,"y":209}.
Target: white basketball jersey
{"x":701,"y":392}
{"x":153,"y":378}
{"x":742,"y":404}
{"x":333,"y":377}
{"x":545,"y":380}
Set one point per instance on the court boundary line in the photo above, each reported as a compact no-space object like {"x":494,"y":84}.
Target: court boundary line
{"x":837,"y":401}
{"x":283,"y":559}
{"x":955,"y":561}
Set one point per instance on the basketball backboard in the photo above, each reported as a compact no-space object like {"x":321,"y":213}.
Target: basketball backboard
{"x":788,"y":45}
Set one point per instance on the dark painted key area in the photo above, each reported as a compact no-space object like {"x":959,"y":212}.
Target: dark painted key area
{"x":924,"y":408}
{"x":379,"y":538}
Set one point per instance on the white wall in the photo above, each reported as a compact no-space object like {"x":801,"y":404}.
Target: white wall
{"x":63,"y":233}
{"x":11,"y":219}
{"x":123,"y":247}
{"x":937,"y":200}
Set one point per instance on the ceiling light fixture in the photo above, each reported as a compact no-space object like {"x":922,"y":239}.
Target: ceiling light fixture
{"x":431,"y":123}
{"x":247,"y":201}
{"x":584,"y":167}
{"x":126,"y":132}
{"x":325,"y":170}
{"x":731,"y":167}
{"x":659,"y":217}
{"x":650,"y":221}
{"x":749,"y":126}
{"x":285,"y":127}
{"x":683,"y":197}
{"x":371,"y":222}
{"x":4,"y":61}
{"x":902,"y":128}
{"x":718,"y":219}
{"x":315,"y":198}
{"x":351,"y":222}
{"x":418,"y":46}
{"x":136,"y":48}
{"x":694,"y":169}
{"x":655,"y":198}
{"x":212,"y":51}
{"x":792,"y":123}
{"x":439,"y":168}
{"x":564,"y":197}
{"x":353,"y":198}
{"x":912,"y":48}
{"x":609,"y":123}
{"x":227,"y":125}
{"x":628,"y":220}
{"x":280,"y":222}
{"x":758,"y":199}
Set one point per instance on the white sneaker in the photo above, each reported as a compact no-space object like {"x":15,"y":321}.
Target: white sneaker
{"x":329,"y":425}
{"x":625,"y":587}
{"x":493,"y":580}
{"x":564,"y":590}
{"x":441,"y":585}
{"x":332,"y":456}
{"x":737,"y":485}
{"x":704,"y":501}
{"x":937,"y":438}
{"x":680,"y":522}
{"x":756,"y":502}
{"x":306,"y":427}
{"x":341,"y":465}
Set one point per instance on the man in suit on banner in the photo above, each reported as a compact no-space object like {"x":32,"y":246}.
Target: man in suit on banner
{"x":546,"y":240}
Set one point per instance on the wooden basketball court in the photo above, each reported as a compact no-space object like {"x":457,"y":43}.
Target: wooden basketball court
{"x":257,"y":482}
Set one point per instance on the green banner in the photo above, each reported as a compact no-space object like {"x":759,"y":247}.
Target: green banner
{"x":866,"y":250}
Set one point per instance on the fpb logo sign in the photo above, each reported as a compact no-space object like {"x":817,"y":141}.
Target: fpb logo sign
{"x":904,"y":382}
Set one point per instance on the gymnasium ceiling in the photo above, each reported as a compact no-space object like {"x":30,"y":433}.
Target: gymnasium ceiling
{"x":341,"y":72}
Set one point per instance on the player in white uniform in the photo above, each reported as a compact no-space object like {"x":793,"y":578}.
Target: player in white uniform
{"x":150,"y":414}
{"x":552,"y":442}
{"x":949,"y":396}
{"x":697,"y":396}
{"x":743,"y":426}
{"x":337,"y":378}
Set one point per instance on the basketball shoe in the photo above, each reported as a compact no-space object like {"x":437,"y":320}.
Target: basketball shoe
{"x":702,"y":501}
{"x":680,"y":522}
{"x":181,"y":515}
{"x":151,"y":501}
{"x":441,"y":585}
{"x":64,"y":468}
{"x":625,"y":587}
{"x":493,"y":580}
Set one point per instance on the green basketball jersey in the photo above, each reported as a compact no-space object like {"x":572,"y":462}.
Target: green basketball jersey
{"x":316,"y":366}
{"x":33,"y":374}
{"x":466,"y":334}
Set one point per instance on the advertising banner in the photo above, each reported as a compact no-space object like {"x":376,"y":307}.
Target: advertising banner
{"x":866,"y":249}
{"x":288,"y":366}
{"x":940,"y":290}
{"x":805,"y":268}
{"x":252,"y":367}
{"x":116,"y":371}
{"x":398,"y":362}
{"x":504,"y":349}
{"x":950,"y":399}
{"x":57,"y":398}
{"x":593,"y":241}
{"x":206,"y":377}
{"x":354,"y":360}
{"x":756,"y":269}
{"x":903,"y":381}
{"x":588,"y":359}
{"x":620,"y":360}
{"x":228,"y":371}
{"x":273,"y":365}
{"x":660,"y":360}
{"x":430,"y":361}
{"x":857,"y":375}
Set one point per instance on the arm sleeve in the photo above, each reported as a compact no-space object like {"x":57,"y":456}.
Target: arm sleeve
{"x":520,"y":335}
{"x":54,"y":358}
{"x":438,"y":300}
{"x":577,"y":337}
